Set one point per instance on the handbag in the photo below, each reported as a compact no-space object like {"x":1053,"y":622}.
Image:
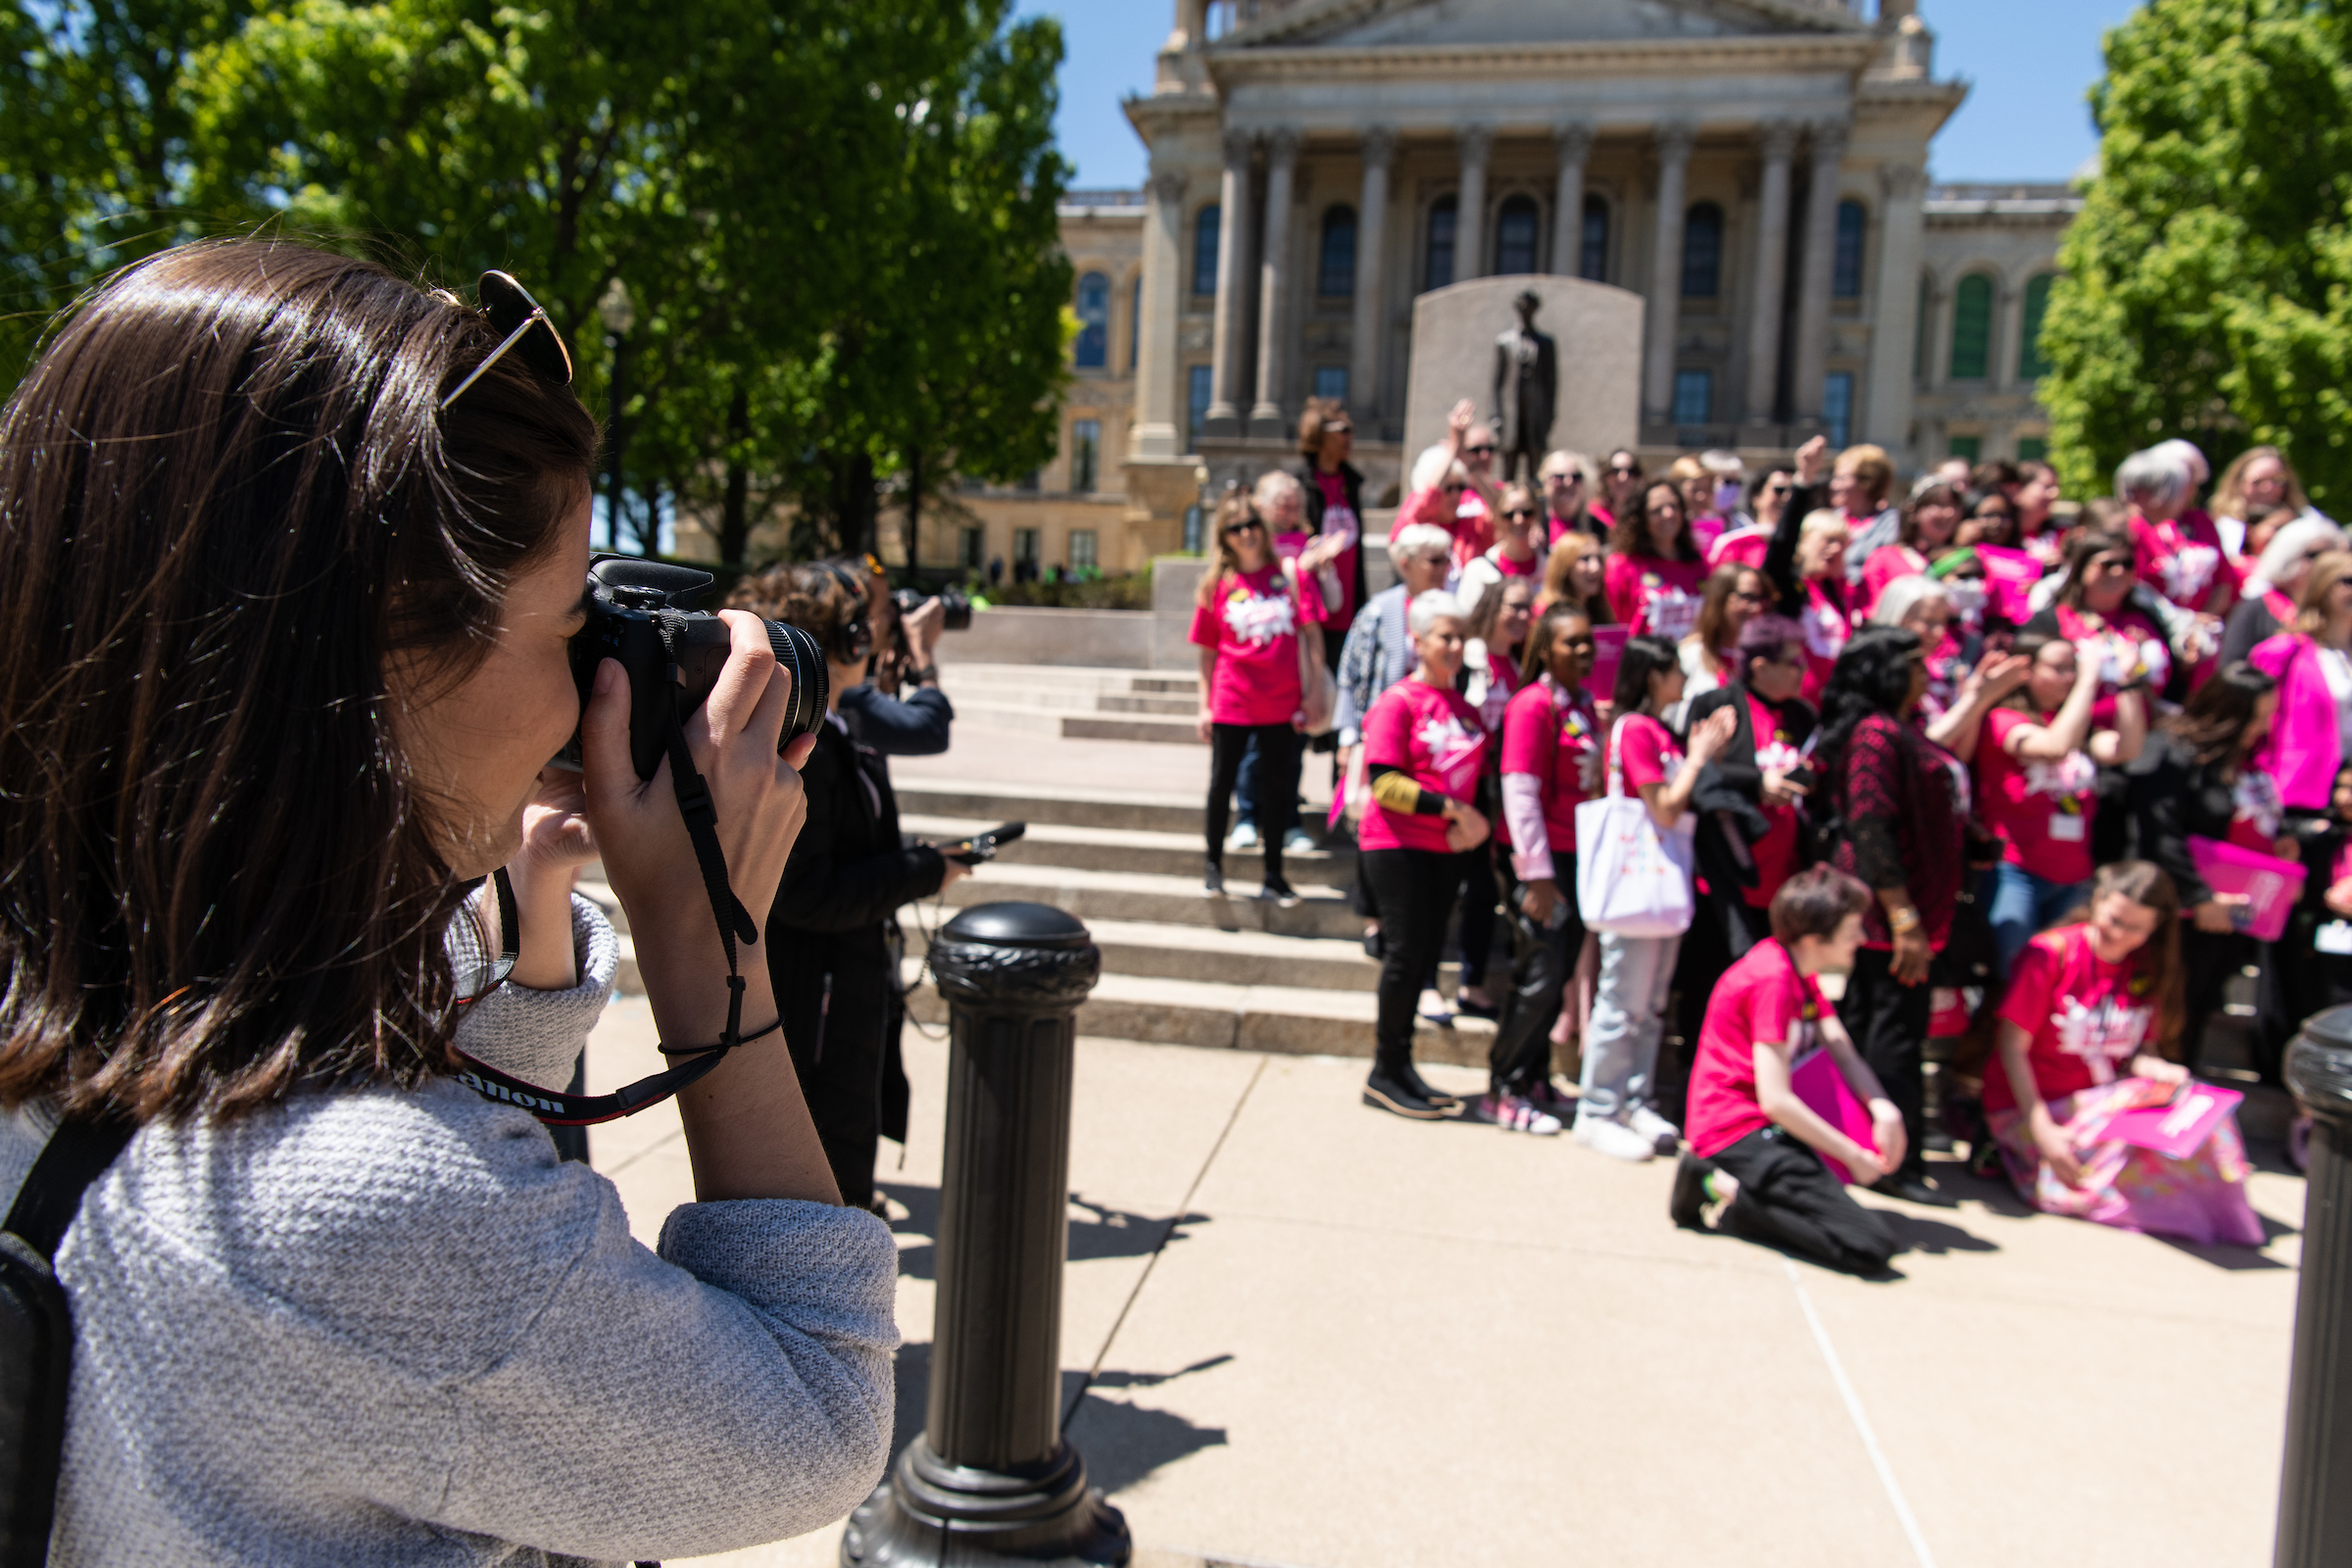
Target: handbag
{"x":1318,"y":692}
{"x":1632,"y":880}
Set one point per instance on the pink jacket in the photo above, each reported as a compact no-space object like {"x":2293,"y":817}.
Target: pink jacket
{"x":2305,"y":748}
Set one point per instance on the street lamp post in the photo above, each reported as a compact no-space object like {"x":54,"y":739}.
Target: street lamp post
{"x":2315,"y":1504}
{"x":619,"y":314}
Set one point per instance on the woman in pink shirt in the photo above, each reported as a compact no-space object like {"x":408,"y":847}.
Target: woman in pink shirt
{"x":1424,"y":752}
{"x":2178,"y":549}
{"x":2090,"y":1029}
{"x":1252,"y":620}
{"x":2095,"y":605}
{"x":1655,"y":571}
{"x":1550,"y":761}
{"x":1931,"y":521}
{"x":2312,"y":737}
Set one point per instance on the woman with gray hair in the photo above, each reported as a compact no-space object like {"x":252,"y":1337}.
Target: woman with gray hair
{"x":2265,"y":605}
{"x":1425,"y":751}
{"x":2180,"y":551}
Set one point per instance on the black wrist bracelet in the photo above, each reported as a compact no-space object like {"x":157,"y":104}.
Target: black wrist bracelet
{"x":696,"y":1050}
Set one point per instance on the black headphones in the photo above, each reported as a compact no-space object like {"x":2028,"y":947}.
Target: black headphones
{"x":852,"y":641}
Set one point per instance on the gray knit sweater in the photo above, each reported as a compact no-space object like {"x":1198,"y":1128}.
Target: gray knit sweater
{"x":378,"y":1327}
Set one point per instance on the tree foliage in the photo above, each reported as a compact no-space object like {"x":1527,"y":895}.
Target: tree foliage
{"x":834,"y":219}
{"x":2208,"y":281}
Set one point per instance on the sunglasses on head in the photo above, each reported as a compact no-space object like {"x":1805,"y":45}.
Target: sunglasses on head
{"x":521,"y":325}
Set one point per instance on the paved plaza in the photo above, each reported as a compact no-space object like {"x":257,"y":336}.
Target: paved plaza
{"x":1300,"y":1333}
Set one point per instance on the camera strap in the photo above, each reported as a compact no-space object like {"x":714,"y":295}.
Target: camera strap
{"x":735,"y":924}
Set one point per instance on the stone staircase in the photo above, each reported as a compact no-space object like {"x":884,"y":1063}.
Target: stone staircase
{"x":1075,"y":702}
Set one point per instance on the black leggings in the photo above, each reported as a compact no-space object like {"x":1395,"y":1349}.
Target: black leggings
{"x":1478,"y":915}
{"x":1277,"y":784}
{"x":1541,"y":958}
{"x":1888,"y":1023}
{"x":2209,"y":961}
{"x":1415,"y":889}
{"x":1787,"y":1198}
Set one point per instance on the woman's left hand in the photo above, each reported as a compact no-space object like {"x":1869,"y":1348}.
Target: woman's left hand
{"x":557,"y":840}
{"x":2158,"y":1070}
{"x":1912,"y":955}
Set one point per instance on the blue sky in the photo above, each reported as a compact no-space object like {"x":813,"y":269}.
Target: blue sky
{"x":2030,"y":63}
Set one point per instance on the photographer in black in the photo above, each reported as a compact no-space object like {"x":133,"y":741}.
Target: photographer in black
{"x":829,"y":935}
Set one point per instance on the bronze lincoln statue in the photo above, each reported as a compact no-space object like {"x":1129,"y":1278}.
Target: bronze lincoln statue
{"x":1526,"y":388}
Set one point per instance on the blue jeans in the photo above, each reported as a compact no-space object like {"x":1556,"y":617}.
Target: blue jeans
{"x":2018,"y":904}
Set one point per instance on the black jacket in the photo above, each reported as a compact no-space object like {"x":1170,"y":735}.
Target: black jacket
{"x":1305,"y":474}
{"x":1728,"y":800}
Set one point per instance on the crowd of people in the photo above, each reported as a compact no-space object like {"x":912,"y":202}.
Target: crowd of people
{"x":2038,"y":781}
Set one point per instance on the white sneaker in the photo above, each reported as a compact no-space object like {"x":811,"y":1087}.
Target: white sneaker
{"x":1299,"y":838}
{"x":1605,"y":1134}
{"x":1663,"y":1135}
{"x":1433,"y":1008}
{"x":1245,"y":837}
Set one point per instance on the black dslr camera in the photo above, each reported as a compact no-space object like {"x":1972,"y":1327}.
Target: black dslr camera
{"x":642,"y":613}
{"x":951,"y":600}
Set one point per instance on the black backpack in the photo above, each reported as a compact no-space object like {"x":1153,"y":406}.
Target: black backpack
{"x":36,"y":1333}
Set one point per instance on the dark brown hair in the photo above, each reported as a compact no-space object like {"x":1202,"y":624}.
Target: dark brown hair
{"x":1715,"y":606}
{"x":228,"y":500}
{"x":1631,"y":535}
{"x":2215,"y":722}
{"x":1815,"y":902}
{"x":2156,"y":974}
{"x":2085,"y":548}
{"x":1535,"y":658}
{"x":1935,"y":495}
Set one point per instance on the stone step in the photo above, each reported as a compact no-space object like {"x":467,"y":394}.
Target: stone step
{"x":1159,"y":950}
{"x":954,"y":672}
{"x":1149,"y":703}
{"x":1033,"y":804}
{"x":1188,"y":685}
{"x":1131,"y":727}
{"x":1292,"y":1021}
{"x":1102,"y":849}
{"x":1161,"y":899}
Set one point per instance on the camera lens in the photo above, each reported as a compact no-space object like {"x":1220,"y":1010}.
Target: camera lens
{"x":797,"y":653}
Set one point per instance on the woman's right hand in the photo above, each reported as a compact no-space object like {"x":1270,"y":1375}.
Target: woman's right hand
{"x":1538,"y":898}
{"x":2056,"y":1151}
{"x":1912,"y":955}
{"x":1465,"y":828}
{"x":1204,"y":725}
{"x":1458,"y":420}
{"x":1811,"y":457}
{"x":1713,"y":734}
{"x":2218,"y":915}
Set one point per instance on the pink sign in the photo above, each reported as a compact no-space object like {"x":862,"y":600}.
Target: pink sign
{"x":2009,"y":576}
{"x":1608,"y":647}
{"x":1824,"y":1089}
{"x":2174,"y":1130}
{"x":2271,"y":885}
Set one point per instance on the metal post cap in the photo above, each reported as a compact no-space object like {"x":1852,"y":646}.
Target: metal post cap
{"x":1026,"y":957}
{"x":2318,"y":1065}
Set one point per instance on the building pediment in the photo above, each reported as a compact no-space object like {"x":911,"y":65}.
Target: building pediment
{"x":1427,"y":23}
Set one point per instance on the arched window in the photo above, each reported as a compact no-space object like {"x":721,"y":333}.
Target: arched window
{"x":1592,"y":247}
{"x":1334,"y":276}
{"x":1093,"y":322}
{"x":1702,"y":252}
{"x":1846,"y":262}
{"x":1442,"y":215}
{"x":1206,"y":226}
{"x":1972,"y":328}
{"x":1515,"y":237}
{"x":2029,"y":361}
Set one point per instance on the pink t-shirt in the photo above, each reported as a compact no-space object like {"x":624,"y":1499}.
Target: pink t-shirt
{"x":1654,"y":597}
{"x":2133,"y":646}
{"x":1551,"y":736}
{"x":2183,"y":558}
{"x":1759,"y":999}
{"x":1252,"y":621}
{"x":1828,"y":627}
{"x":1646,"y":752}
{"x":1776,"y":853}
{"x":1885,"y":566}
{"x":1339,"y":517}
{"x":1473,"y":529}
{"x":1704,"y":531}
{"x":1745,"y":547}
{"x":1432,"y":735}
{"x":2088,"y":1019}
{"x":2040,"y":810}
{"x":1502,"y":679}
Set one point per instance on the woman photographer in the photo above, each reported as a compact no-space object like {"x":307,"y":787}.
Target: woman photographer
{"x":295,"y":553}
{"x":831,"y":940}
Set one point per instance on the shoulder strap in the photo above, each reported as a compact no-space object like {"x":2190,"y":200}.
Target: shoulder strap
{"x":74,"y":1157}
{"x":1616,"y":785}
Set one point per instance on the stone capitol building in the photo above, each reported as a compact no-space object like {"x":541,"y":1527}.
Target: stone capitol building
{"x":1754,"y":169}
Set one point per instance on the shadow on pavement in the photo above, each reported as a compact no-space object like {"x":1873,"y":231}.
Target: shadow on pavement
{"x":1122,"y":1443}
{"x":1106,"y":1231}
{"x":1916,"y":1233}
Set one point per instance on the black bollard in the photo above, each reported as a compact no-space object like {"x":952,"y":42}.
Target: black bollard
{"x":991,"y":1479}
{"x":2315,"y":1488}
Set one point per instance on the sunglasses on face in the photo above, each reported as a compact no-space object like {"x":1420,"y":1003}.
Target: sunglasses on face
{"x":1521,"y":511}
{"x":1778,"y":489}
{"x":522,"y":326}
{"x":1479,"y":451}
{"x":1451,"y":489}
{"x":1625,"y":474}
{"x":1245,"y":526}
{"x":1750,"y":596}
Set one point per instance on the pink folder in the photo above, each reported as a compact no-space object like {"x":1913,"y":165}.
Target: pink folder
{"x":2271,"y":885}
{"x":2009,"y":577}
{"x":1608,"y":646}
{"x":1823,"y":1090}
{"x":2175,"y":1131}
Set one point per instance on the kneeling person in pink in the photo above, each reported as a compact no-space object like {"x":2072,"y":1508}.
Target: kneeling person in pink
{"x":1758,"y":1148}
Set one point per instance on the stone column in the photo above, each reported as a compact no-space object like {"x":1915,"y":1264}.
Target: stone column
{"x":1470,"y":203}
{"x":1192,"y":26}
{"x":1371,"y":291}
{"x":1154,"y":434}
{"x":1676,"y":138}
{"x":1573,"y":138}
{"x":1813,"y":281}
{"x":1226,"y":387}
{"x":1274,"y":286}
{"x":1777,"y":140}
{"x":1894,"y":313}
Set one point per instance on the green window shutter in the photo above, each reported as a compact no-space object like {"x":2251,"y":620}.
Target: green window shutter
{"x":1972,"y":328}
{"x":2029,"y":362}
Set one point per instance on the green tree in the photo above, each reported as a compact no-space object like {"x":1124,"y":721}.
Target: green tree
{"x":2208,"y":281}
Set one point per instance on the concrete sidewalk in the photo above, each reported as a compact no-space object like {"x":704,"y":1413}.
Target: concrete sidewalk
{"x":1299,"y":1332}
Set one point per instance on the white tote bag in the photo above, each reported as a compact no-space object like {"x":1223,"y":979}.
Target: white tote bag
{"x":1631,"y":879}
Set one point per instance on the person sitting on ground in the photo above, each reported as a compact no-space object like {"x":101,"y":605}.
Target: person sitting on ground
{"x":295,"y":554}
{"x":1551,"y":762}
{"x":1253,"y":619}
{"x":2091,"y":1028}
{"x":1425,"y":751}
{"x":1758,"y":1152}
{"x":1654,"y":568}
